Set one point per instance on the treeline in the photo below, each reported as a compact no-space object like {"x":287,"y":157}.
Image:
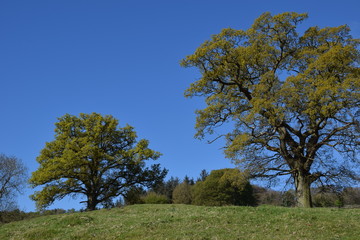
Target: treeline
{"x":327,"y":196}
{"x":220,"y":187}
{"x":17,"y":215}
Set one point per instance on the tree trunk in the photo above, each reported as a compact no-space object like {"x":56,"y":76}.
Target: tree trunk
{"x":302,"y":188}
{"x":91,"y":203}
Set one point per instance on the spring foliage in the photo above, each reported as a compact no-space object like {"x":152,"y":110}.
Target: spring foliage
{"x":224,"y":187}
{"x":94,"y":157}
{"x":182,"y":193}
{"x":292,"y":97}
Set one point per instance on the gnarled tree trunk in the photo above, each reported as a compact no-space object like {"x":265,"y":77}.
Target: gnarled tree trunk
{"x":302,"y":189}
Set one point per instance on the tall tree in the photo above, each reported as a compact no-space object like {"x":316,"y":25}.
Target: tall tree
{"x":293,"y":98}
{"x":203,"y":175}
{"x":13,"y":175}
{"x":94,"y":157}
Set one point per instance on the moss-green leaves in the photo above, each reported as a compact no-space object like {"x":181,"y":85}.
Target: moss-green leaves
{"x":91,"y":155}
{"x":290,"y":95}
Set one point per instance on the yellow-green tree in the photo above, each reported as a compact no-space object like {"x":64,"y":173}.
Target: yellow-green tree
{"x":94,"y":157}
{"x":292,"y":97}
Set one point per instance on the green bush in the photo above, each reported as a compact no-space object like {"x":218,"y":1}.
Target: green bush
{"x":327,"y":200}
{"x":328,"y":196}
{"x":182,"y":194}
{"x":224,"y":187}
{"x":351,"y":196}
{"x":11,"y":216}
{"x":154,"y":198}
{"x":288,"y":199}
{"x":166,"y":187}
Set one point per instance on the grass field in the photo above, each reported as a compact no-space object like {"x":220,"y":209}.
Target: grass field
{"x":191,"y":222}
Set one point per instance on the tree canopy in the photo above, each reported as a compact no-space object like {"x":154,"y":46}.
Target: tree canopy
{"x":93,"y":157}
{"x":292,"y":97}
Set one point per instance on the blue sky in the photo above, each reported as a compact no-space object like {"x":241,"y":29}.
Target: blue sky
{"x":121,"y":58}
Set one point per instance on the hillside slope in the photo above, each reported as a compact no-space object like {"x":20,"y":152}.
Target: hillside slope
{"x":191,"y":222}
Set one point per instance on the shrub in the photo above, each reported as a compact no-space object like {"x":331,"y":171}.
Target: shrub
{"x":182,"y":194}
{"x":11,"y":216}
{"x":166,"y":187}
{"x":288,"y":199}
{"x":224,"y":187}
{"x":326,"y":199}
{"x":154,"y":198}
{"x":328,"y":196}
{"x":351,"y":196}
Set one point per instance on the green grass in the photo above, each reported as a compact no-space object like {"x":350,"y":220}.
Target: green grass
{"x":191,"y":222}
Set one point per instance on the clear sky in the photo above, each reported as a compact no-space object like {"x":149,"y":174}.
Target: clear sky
{"x":121,"y":57}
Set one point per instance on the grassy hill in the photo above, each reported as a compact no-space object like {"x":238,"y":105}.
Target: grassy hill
{"x":191,"y":222}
